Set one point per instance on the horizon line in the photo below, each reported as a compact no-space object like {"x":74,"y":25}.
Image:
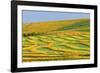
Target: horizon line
{"x":54,"y":20}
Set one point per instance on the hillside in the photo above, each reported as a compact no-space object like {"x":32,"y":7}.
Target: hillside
{"x":56,"y":40}
{"x":44,"y":27}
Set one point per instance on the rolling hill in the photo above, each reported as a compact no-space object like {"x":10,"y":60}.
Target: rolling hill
{"x":44,"y":27}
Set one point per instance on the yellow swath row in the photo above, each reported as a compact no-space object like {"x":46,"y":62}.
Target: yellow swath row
{"x":69,"y":45}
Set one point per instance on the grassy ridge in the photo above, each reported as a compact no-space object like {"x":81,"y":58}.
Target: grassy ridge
{"x":44,"y":27}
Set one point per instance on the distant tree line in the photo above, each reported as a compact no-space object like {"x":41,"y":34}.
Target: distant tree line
{"x":33,"y":34}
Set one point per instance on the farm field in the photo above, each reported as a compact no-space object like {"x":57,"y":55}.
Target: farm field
{"x":59,"y":40}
